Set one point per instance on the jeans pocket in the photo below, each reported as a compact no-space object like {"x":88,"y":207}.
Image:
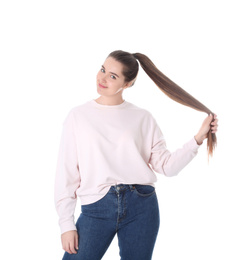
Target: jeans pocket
{"x":98,"y":207}
{"x":144,"y":190}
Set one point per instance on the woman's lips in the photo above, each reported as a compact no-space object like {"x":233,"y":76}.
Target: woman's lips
{"x":101,"y":86}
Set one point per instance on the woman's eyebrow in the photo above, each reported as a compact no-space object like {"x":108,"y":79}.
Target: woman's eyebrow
{"x":110,"y":72}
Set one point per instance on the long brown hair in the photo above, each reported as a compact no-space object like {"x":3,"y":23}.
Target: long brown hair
{"x":167,"y":86}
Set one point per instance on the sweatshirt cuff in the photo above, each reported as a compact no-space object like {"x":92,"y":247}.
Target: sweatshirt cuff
{"x":194,"y":145}
{"x":67,"y":226}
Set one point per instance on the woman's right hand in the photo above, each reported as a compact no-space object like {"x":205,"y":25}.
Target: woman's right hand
{"x":69,"y":241}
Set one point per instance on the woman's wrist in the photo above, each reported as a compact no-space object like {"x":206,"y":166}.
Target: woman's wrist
{"x":199,"y":139}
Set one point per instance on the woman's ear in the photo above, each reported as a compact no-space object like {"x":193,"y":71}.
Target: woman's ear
{"x":129,"y":84}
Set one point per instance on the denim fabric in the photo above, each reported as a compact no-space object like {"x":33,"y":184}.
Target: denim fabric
{"x":131,"y":212}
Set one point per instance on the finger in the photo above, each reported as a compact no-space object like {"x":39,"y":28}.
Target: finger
{"x":214,"y":116}
{"x":214,"y":125}
{"x":213,"y":128}
{"x":215,"y":122}
{"x":76,"y":242}
{"x":72,"y":248}
{"x":67,"y":249}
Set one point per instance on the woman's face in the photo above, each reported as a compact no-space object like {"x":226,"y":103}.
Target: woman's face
{"x":110,"y":80}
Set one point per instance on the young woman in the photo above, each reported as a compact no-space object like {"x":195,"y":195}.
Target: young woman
{"x":109,"y":152}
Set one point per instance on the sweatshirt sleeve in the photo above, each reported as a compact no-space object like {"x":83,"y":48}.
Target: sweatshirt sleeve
{"x":165,"y":162}
{"x":67,"y":178}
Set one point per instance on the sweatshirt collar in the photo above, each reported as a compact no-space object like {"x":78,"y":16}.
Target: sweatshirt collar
{"x":123,"y":104}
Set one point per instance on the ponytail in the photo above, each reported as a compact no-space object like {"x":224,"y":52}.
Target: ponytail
{"x":173,"y":91}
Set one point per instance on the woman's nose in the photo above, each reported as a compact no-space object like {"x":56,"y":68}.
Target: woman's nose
{"x":103,"y":78}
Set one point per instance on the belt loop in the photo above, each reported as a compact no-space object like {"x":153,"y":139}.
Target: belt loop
{"x":132,"y":187}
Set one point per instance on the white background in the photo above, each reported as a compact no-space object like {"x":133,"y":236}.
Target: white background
{"x":50,"y":54}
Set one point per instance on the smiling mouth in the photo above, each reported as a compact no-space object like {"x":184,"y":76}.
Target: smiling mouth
{"x":101,"y":86}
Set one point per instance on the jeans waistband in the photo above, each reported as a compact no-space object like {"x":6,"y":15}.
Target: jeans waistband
{"x":122,"y":187}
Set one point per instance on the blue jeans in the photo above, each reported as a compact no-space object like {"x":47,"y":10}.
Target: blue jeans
{"x":131,"y":212}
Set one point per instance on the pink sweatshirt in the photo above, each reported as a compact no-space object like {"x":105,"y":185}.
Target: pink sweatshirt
{"x":103,"y":145}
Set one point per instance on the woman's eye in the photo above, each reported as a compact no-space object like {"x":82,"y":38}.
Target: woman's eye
{"x":102,"y":70}
{"x":113,"y":77}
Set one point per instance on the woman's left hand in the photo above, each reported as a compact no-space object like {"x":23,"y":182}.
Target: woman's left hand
{"x":206,"y":126}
